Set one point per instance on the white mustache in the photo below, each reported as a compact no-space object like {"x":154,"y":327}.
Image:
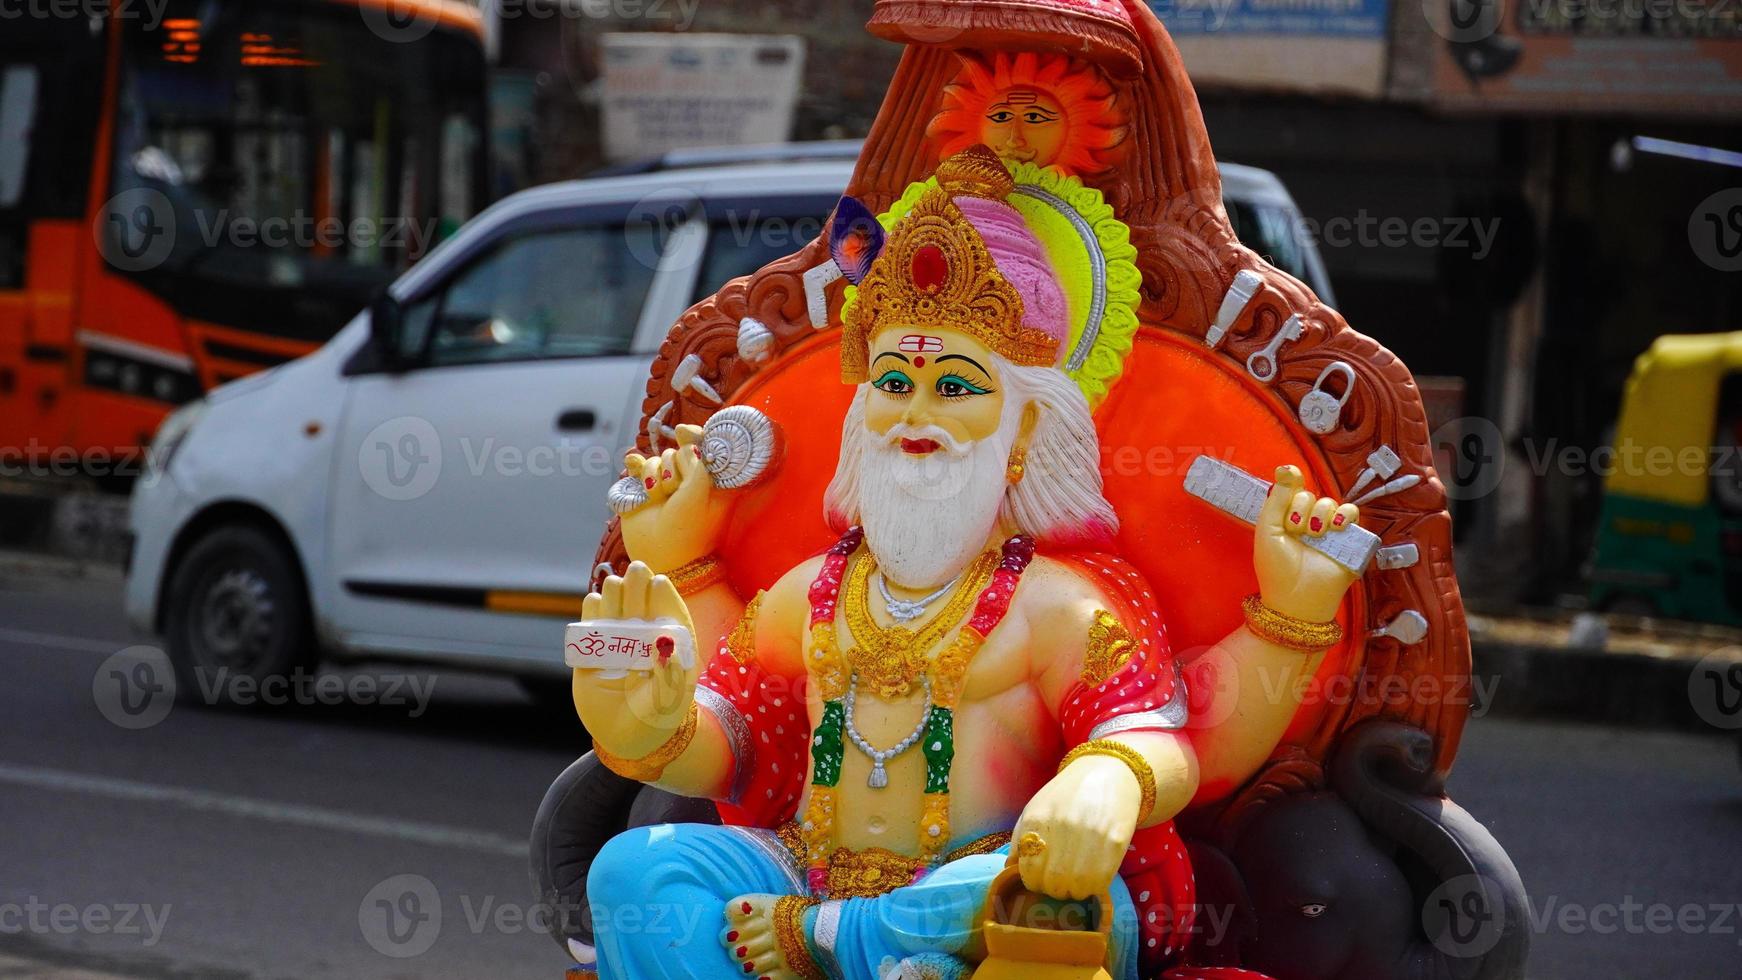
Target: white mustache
{"x":901,"y":430}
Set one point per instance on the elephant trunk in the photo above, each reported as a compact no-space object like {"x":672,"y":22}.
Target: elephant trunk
{"x":1475,"y":918}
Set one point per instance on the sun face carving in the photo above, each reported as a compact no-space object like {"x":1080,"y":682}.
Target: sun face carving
{"x":1045,"y":109}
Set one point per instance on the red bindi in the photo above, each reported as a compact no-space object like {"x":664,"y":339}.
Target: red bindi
{"x":919,"y":361}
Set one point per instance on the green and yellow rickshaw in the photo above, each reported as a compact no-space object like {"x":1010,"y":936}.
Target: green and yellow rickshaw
{"x":1670,"y":538}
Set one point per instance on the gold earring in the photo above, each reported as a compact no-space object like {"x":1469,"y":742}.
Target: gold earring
{"x":1013,"y":469}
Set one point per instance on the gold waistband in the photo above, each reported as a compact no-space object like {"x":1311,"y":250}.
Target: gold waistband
{"x":874,"y":871}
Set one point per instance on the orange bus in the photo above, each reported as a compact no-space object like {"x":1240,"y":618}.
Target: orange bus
{"x":194,"y":190}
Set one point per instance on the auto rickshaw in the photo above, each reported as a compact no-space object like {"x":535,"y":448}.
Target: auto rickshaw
{"x":1669,"y":542}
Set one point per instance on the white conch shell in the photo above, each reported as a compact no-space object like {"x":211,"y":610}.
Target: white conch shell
{"x":739,"y":445}
{"x":755,"y":341}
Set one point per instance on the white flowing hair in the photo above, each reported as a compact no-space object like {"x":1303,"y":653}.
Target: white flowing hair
{"x":1059,"y":502}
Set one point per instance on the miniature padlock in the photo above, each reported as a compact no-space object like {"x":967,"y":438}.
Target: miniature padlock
{"x":1319,"y":409}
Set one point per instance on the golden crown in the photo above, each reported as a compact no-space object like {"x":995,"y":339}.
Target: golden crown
{"x":935,"y":271}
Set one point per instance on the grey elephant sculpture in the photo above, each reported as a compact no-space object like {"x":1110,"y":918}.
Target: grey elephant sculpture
{"x":1378,"y":877}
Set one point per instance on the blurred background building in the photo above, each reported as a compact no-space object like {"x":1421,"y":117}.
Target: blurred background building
{"x":1509,"y":195}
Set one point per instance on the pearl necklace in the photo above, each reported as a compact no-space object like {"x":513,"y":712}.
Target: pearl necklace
{"x":879,"y":777}
{"x":908,"y":610}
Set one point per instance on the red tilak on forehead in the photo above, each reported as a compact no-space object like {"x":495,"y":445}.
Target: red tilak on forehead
{"x":922,"y":343}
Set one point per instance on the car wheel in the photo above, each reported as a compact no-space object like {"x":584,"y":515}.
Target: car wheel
{"x":237,"y":610}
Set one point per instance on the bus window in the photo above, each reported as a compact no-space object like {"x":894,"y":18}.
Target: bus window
{"x":18,"y":85}
{"x":17,"y":112}
{"x":291,"y":149}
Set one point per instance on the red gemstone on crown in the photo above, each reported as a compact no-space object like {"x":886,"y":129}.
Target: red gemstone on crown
{"x":930,"y":268}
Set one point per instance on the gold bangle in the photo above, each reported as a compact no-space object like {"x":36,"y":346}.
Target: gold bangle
{"x":651,"y":766}
{"x":789,"y":913}
{"x":1133,"y":760}
{"x":693,"y":577}
{"x":1284,"y":630}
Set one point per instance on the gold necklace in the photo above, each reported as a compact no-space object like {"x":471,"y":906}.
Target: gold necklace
{"x":892,"y":659}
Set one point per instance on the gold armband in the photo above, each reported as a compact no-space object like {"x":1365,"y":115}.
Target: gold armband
{"x":1133,"y":760}
{"x":651,"y":766}
{"x":697,"y":575}
{"x":1283,"y":630}
{"x":789,"y":913}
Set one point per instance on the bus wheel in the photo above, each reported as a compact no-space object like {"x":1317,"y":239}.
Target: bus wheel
{"x":237,"y":616}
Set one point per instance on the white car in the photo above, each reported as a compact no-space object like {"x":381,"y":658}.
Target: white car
{"x":431,"y":483}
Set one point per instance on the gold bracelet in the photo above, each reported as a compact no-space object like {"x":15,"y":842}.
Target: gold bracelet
{"x":693,"y":577}
{"x":1133,"y":760}
{"x":1284,"y":630}
{"x":651,"y":766}
{"x":789,"y":913}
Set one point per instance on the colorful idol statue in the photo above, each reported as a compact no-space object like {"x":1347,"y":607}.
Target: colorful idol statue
{"x":970,"y":677}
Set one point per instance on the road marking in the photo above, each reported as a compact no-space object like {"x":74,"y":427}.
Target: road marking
{"x":80,"y":643}
{"x":319,"y":818}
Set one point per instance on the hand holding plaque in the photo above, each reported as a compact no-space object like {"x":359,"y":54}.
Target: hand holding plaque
{"x":635,"y":663}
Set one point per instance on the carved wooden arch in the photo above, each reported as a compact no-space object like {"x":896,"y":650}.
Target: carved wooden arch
{"x":1170,"y":195}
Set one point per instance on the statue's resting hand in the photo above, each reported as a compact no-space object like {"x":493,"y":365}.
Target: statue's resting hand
{"x":1085,"y":816}
{"x":633,"y":712}
{"x":685,"y":513}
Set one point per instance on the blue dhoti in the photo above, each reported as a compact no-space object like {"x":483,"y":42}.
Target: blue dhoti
{"x":658,"y":896}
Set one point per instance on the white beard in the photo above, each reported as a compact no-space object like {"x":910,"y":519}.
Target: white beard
{"x":926,"y":517}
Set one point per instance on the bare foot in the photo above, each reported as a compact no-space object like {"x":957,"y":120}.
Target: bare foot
{"x":749,"y":937}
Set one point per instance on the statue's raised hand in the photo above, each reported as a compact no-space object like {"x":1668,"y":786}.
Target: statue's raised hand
{"x":1293,"y":579}
{"x":684,"y":514}
{"x":632,"y":712}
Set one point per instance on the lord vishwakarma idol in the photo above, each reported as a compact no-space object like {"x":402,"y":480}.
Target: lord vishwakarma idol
{"x":967,"y":706}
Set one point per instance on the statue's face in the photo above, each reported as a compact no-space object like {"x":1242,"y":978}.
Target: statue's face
{"x":1026,"y":125}
{"x":924,"y":376}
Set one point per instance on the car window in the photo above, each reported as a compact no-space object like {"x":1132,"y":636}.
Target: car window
{"x":572,"y":292}
{"x":1272,"y":232}
{"x":740,"y":242}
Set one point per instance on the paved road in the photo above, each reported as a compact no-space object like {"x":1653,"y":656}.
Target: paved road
{"x":223,"y":844}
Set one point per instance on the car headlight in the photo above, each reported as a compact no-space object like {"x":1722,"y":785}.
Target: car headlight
{"x":170,"y":435}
